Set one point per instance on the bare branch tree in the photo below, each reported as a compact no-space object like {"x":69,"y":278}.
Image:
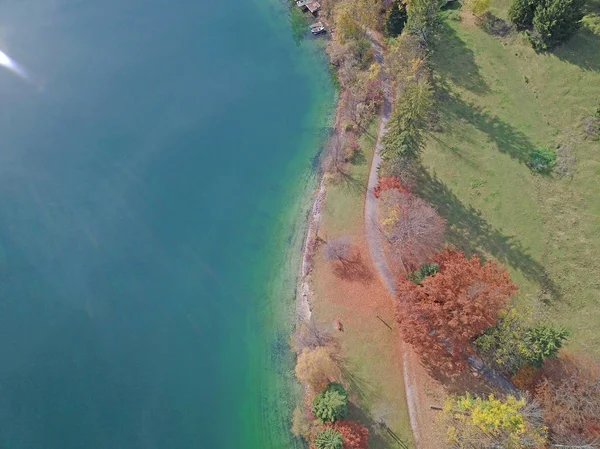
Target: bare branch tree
{"x":338,"y":249}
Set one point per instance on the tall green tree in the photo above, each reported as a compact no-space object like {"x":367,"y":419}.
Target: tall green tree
{"x":396,"y":19}
{"x":406,"y":127}
{"x":331,"y":404}
{"x":424,"y":19}
{"x":555,"y":21}
{"x":521,"y":13}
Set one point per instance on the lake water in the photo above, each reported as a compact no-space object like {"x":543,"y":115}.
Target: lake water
{"x":152,"y":170}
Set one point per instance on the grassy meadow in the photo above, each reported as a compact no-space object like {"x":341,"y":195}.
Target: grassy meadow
{"x":498,"y":100}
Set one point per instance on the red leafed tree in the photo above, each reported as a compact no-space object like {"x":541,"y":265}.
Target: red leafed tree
{"x":354,"y":434}
{"x":388,"y":183}
{"x":441,"y":316}
{"x":413,"y":227}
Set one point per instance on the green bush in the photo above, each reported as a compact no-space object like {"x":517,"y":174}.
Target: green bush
{"x":542,"y":160}
{"x":329,"y":438}
{"x":427,"y":269}
{"x":331,"y":404}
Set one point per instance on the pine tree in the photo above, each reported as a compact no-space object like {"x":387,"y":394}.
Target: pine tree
{"x":555,"y":21}
{"x":396,"y":19}
{"x":521,"y":13}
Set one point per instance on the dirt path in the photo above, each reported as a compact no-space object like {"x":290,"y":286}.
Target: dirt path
{"x":373,"y":236}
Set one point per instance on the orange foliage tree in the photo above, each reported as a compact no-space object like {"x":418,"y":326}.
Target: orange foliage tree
{"x":441,"y":316}
{"x":388,"y":183}
{"x":354,"y":434}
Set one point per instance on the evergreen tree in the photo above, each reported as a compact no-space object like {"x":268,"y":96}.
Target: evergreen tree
{"x":331,"y":404}
{"x":521,"y":13}
{"x":555,"y":21}
{"x":396,"y":19}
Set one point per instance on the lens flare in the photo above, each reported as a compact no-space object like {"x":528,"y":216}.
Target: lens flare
{"x":12,"y":65}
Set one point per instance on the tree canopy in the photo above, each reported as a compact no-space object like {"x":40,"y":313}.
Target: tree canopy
{"x":331,"y":404}
{"x":442,"y":315}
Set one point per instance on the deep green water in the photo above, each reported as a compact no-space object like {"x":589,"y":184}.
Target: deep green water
{"x":153,"y":180}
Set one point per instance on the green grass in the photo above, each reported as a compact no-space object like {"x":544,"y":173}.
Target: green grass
{"x":343,"y":211}
{"x":498,"y":101}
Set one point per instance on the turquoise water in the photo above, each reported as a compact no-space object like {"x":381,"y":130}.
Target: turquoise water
{"x":152,"y":174}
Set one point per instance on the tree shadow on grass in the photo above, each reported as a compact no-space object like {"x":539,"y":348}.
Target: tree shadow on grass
{"x":508,"y":139}
{"x":468,"y":230}
{"x":455,"y":61}
{"x":583,"y":49}
{"x":353,"y":269}
{"x":380,"y":435}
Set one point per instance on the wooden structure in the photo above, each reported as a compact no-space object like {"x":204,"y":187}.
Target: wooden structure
{"x":311,"y":5}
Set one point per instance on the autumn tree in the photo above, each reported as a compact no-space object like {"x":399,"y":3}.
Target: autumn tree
{"x":338,"y":250}
{"x":569,"y":394}
{"x":354,"y":434}
{"x":477,"y":7}
{"x":406,"y":127}
{"x":388,"y":183}
{"x":406,"y":59}
{"x":442,"y":315}
{"x":317,"y":367}
{"x":309,"y":336}
{"x":484,"y":423}
{"x":347,"y":26}
{"x":331,"y":404}
{"x":412,"y":226}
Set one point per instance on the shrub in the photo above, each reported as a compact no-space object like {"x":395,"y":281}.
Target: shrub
{"x":328,"y":438}
{"x":355,"y":435}
{"x":331,"y":404}
{"x":477,"y":7}
{"x":427,"y":269}
{"x":542,"y":160}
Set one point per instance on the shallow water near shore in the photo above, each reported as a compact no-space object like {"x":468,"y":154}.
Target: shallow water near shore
{"x":155,"y":173}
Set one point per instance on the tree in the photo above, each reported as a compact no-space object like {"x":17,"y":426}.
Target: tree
{"x":477,"y":7}
{"x":302,"y":424}
{"x":510,"y":345}
{"x":338,"y":250}
{"x":396,"y":19}
{"x":355,"y":435}
{"x":347,"y":27}
{"x":388,"y":183}
{"x":555,"y":21}
{"x":479,"y":423}
{"x":412,"y":226}
{"x":331,"y":404}
{"x":316,"y":367}
{"x":442,"y":315}
{"x":406,"y":59}
{"x":543,"y":342}
{"x":570,"y":398}
{"x":521,"y":13}
{"x":427,"y":269}
{"x":404,"y":135}
{"x":329,"y":438}
{"x":424,"y":19}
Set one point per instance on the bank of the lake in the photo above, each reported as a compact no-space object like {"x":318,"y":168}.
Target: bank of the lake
{"x":154,"y":184}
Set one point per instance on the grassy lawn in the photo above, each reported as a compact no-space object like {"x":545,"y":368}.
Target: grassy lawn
{"x":498,"y":101}
{"x":369,"y":349}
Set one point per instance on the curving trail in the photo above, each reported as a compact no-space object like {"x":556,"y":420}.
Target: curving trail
{"x":374,"y":239}
{"x":373,"y":236}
